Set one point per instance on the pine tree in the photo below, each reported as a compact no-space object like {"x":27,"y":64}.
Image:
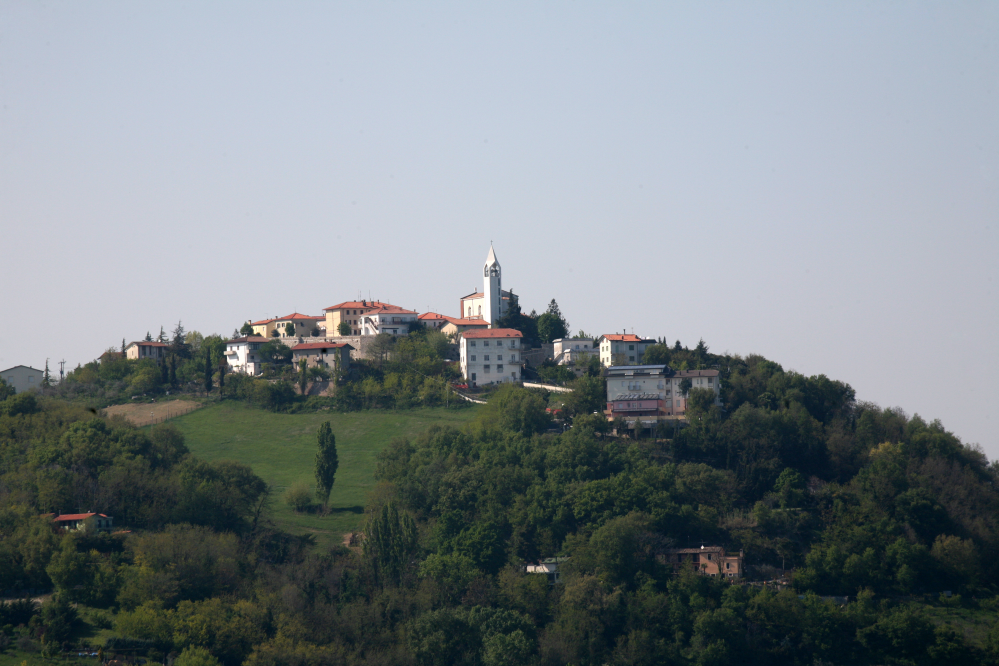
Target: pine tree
{"x":123,"y":346}
{"x":173,"y":370}
{"x":149,"y":338}
{"x":326,"y":463}
{"x":223,"y":366}
{"x":46,"y":379}
{"x":162,"y":336}
{"x":164,"y":373}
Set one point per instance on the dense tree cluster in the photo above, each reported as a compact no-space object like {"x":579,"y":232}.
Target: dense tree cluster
{"x":856,"y":500}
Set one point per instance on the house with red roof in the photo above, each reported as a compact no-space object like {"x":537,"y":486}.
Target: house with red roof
{"x":622,"y":348}
{"x":146,"y":349}
{"x":349,"y":314}
{"x":450,"y":325}
{"x":389,"y":319}
{"x":82,"y":522}
{"x":297,"y":325}
{"x":491,"y":356}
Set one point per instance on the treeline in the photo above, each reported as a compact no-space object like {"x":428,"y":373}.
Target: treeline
{"x":857,"y":500}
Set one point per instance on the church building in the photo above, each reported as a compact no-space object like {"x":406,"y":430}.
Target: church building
{"x":493,"y":302}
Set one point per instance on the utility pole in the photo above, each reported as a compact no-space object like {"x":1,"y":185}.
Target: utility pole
{"x":62,"y":370}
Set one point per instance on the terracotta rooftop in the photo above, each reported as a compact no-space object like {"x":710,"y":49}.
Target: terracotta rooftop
{"x":297,"y":315}
{"x":385,"y":308}
{"x":147,"y":343}
{"x":468,"y":322}
{"x":261,"y":322}
{"x":77,"y":516}
{"x":320,"y":345}
{"x":360,"y":305}
{"x":624,"y":337}
{"x":494,"y":333}
{"x":432,"y":315}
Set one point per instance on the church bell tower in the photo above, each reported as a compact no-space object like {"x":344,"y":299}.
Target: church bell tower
{"x":492,"y":288}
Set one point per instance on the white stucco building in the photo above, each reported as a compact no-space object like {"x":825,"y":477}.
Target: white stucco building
{"x":622,"y":349}
{"x":568,"y":351}
{"x":243,"y":354}
{"x":22,"y":377}
{"x":491,"y":356}
{"x":389,"y":319}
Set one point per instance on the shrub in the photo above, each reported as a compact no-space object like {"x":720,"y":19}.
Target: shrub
{"x":299,"y":497}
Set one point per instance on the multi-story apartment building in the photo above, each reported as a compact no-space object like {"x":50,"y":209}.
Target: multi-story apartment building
{"x":349,"y":312}
{"x":490,"y":356}
{"x":243,"y":354}
{"x":622,"y":349}
{"x":651,"y":392}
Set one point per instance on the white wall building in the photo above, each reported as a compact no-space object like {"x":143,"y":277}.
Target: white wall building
{"x":243,"y":354}
{"x":491,"y":356}
{"x":389,"y":319}
{"x":622,"y":349}
{"x":22,"y":377}
{"x":571,"y":350}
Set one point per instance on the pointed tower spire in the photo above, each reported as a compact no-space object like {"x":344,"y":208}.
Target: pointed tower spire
{"x":492,"y":288}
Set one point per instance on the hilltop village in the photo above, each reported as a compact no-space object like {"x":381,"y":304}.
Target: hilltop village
{"x":490,"y":339}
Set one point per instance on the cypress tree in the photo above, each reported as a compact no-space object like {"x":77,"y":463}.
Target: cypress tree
{"x":173,"y":370}
{"x":208,"y":371}
{"x":326,"y":463}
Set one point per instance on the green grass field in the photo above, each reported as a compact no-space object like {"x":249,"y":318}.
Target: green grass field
{"x":281,"y":449}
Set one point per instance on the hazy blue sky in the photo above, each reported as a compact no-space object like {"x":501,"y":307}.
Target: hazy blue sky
{"x":815,"y":182}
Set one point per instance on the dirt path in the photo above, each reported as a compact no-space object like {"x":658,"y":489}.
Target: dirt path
{"x":148,"y":413}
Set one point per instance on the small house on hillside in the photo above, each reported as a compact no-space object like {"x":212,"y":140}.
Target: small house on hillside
{"x":706,"y":560}
{"x":146,"y":349}
{"x":82,"y":522}
{"x":323,"y":354}
{"x":548,"y":567}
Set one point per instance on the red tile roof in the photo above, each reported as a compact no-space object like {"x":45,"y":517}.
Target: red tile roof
{"x":261,"y":322}
{"x":360,"y":305}
{"x":493,"y":333}
{"x":147,"y":343}
{"x":389,"y":309}
{"x":474,"y":294}
{"x":624,"y":337}
{"x":319,"y":345}
{"x":432,"y":315}
{"x":468,"y":322}
{"x":77,"y":516}
{"x":296,"y":315}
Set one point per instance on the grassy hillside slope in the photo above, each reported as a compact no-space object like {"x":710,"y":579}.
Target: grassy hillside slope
{"x":281,"y":448}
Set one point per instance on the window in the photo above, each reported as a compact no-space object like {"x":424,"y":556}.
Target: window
{"x":485,"y":343}
{"x":499,"y":367}
{"x":473,"y":376}
{"x":486,"y":357}
{"x":711,"y":380}
{"x":631,"y":347}
{"x":485,"y":369}
{"x":499,"y":357}
{"x":513,"y":357}
{"x":472,"y":343}
{"x":473,"y":358}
